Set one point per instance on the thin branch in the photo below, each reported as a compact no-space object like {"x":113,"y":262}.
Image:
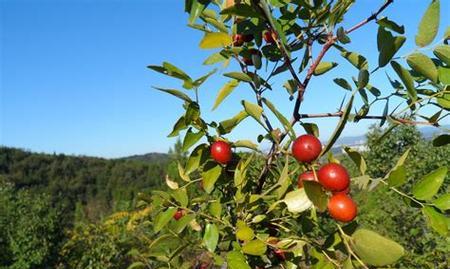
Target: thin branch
{"x":301,"y":86}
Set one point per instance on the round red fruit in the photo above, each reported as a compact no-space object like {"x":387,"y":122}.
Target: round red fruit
{"x":342,"y":208}
{"x":238,"y":40}
{"x":268,"y":37}
{"x":279,"y":254}
{"x":308,"y":176}
{"x":306,"y":148}
{"x":221,"y":152}
{"x":334,"y":177}
{"x":178,"y":215}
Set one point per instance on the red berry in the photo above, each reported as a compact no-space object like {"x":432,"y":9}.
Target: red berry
{"x":333,"y":177}
{"x":221,"y":152}
{"x":238,"y":40}
{"x":342,"y":208}
{"x":308,"y":176}
{"x":179,"y":214}
{"x":279,"y":254}
{"x":306,"y":148}
{"x":268,"y":37}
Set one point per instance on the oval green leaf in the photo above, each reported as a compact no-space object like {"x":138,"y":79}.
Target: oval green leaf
{"x":423,"y":65}
{"x":375,"y":249}
{"x":429,"y":185}
{"x":429,"y":24}
{"x":211,"y":237}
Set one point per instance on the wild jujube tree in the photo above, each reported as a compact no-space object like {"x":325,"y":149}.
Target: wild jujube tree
{"x":291,"y":207}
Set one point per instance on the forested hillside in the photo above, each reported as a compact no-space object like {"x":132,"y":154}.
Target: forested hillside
{"x":99,"y":185}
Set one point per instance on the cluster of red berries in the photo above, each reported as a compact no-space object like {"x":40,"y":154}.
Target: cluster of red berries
{"x":332,"y":176}
{"x":240,"y":39}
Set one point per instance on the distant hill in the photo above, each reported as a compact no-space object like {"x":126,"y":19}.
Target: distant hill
{"x":99,"y":185}
{"x":149,"y":157}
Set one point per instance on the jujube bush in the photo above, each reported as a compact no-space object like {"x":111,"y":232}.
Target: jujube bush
{"x":248,"y":210}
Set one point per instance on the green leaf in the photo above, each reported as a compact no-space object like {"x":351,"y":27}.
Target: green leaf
{"x":374,"y":249}
{"x":443,"y":202}
{"x":242,"y":10}
{"x":211,"y":237}
{"x":316,"y":194}
{"x":176,"y":93}
{"x":444,"y":100}
{"x":211,"y":173}
{"x":192,"y":113}
{"x":324,"y":67}
{"x":388,"y":45}
{"x":217,"y":24}
{"x":245,"y":144}
{"x":215,"y":58}
{"x":255,"y":247}
{"x":197,"y":158}
{"x":444,"y":75}
{"x":171,"y":70}
{"x":181,"y":196}
{"x":215,"y":209}
{"x":227,"y":126}
{"x":239,"y":76}
{"x":284,"y":181}
{"x":179,"y":125}
{"x":429,"y":185}
{"x":406,"y":78}
{"x":342,"y":36}
{"x":244,"y":233}
{"x":215,"y":40}
{"x":198,"y":82}
{"x":191,"y":138}
{"x":225,"y":91}
{"x":297,"y":201}
{"x":253,"y":110}
{"x":286,"y":124}
{"x":386,"y":23}
{"x":423,"y":65}
{"x":429,"y":24}
{"x":310,"y":128}
{"x":441,"y":140}
{"x":236,"y":260}
{"x":443,"y":53}
{"x":397,"y":176}
{"x":163,"y":218}
{"x":343,"y":83}
{"x":340,"y":126}
{"x":357,"y":158}
{"x":180,"y":225}
{"x":356,"y":59}
{"x":436,"y":220}
{"x":363,"y":78}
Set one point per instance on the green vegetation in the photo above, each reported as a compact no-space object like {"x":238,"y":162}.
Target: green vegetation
{"x":38,"y":228}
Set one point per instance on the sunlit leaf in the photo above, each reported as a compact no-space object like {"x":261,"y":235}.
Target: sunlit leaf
{"x":406,"y":78}
{"x":374,"y":249}
{"x":255,"y":247}
{"x":324,"y":67}
{"x":236,"y":260}
{"x":163,"y":218}
{"x":210,"y":175}
{"x":224,"y":92}
{"x":436,"y":220}
{"x":429,"y":24}
{"x":211,"y":237}
{"x":297,"y":201}
{"x":423,"y":65}
{"x":215,"y":40}
{"x":429,"y":185}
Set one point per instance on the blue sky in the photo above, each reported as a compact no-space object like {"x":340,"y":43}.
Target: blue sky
{"x":73,"y":76}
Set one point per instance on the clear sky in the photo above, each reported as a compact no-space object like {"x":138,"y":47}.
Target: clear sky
{"x":73,"y":76}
